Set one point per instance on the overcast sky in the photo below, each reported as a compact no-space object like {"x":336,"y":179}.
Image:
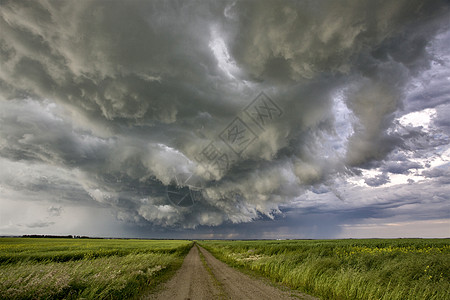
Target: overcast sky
{"x":225,"y":119}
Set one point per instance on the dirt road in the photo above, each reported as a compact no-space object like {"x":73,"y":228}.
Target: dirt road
{"x":213,"y":279}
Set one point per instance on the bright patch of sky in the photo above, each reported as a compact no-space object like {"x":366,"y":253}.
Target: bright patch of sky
{"x":421,"y":118}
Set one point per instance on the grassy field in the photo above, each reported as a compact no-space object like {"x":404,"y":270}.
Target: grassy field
{"x":347,"y":269}
{"x":39,"y":268}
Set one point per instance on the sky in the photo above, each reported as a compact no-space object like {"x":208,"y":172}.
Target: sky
{"x":225,"y":119}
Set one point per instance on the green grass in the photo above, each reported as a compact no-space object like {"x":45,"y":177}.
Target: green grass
{"x":217,"y":283}
{"x":347,"y":269}
{"x":85,"y":268}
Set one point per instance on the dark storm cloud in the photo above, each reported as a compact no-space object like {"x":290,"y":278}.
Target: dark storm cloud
{"x":39,"y":224}
{"x":401,"y":167}
{"x":377,"y":180}
{"x":35,"y":131}
{"x":426,"y":200}
{"x":124,"y":96}
{"x":442,"y":121}
{"x":441,"y":174}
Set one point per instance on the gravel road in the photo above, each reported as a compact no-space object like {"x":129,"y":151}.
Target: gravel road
{"x":217,"y":281}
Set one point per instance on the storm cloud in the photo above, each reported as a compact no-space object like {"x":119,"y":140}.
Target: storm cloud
{"x":266,"y":104}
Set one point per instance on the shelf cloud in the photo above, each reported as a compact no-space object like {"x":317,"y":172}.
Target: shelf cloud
{"x":179,"y":115}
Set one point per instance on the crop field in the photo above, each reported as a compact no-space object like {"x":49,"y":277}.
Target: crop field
{"x":41,"y":268}
{"x":347,"y":269}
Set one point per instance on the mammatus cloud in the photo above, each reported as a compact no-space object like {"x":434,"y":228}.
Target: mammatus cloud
{"x":104,"y":103}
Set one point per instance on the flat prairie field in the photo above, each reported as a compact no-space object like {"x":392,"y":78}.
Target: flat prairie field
{"x":54,"y":268}
{"x":346,"y":269}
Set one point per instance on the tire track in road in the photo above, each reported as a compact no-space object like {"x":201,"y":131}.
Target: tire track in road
{"x":192,"y":281}
{"x":213,"y":279}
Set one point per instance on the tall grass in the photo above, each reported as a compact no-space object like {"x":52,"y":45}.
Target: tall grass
{"x":347,"y":269}
{"x":93,"y":269}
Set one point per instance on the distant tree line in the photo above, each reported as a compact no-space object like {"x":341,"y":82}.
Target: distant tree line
{"x":55,"y":236}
